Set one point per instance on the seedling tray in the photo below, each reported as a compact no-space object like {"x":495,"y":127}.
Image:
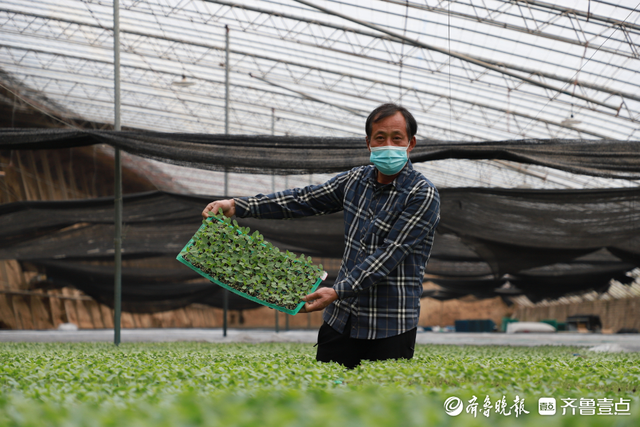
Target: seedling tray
{"x":182,"y":259}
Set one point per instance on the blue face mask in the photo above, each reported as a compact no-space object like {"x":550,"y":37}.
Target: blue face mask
{"x":389,"y":160}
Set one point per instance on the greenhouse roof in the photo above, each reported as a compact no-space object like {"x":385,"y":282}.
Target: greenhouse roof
{"x":469,"y":71}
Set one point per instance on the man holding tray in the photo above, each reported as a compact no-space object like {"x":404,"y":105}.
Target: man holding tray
{"x":391,"y":212}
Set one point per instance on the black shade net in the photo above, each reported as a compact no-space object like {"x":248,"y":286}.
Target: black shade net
{"x":545,"y":243}
{"x":144,"y":290}
{"x":558,"y":280}
{"x":590,"y":272}
{"x":155,"y":223}
{"x":514,"y":230}
{"x":300,"y":155}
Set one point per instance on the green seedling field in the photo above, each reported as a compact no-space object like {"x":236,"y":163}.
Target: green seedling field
{"x":281,"y":385}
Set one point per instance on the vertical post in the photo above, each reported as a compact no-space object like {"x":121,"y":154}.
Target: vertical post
{"x":273,"y":185}
{"x":286,"y":322}
{"x":117,"y":295}
{"x":225,"y":309}
{"x":225,"y":293}
{"x":273,"y":175}
{"x":273,"y":121}
{"x":226,"y":102}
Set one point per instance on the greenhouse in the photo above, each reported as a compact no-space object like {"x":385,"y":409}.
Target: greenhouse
{"x":121,"y":120}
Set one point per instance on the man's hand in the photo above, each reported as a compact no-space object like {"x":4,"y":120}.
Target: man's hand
{"x":319,"y":300}
{"x":228,"y":208}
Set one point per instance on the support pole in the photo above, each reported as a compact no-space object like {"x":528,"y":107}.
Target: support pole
{"x":273,"y":132}
{"x":117,"y":295}
{"x":225,"y":305}
{"x":225,"y":293}
{"x":226,"y":102}
{"x":273,"y":185}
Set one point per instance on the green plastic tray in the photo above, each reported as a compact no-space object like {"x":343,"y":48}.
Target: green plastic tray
{"x":235,"y":291}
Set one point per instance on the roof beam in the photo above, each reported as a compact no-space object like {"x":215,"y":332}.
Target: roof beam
{"x":160,"y":93}
{"x":500,"y":66}
{"x":508,"y":26}
{"x":461,"y":57}
{"x":587,"y":15}
{"x":353,"y":111}
{"x":359,"y":113}
{"x":627,"y":95}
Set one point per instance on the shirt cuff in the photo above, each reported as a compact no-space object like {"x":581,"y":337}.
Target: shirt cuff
{"x":344,"y":289}
{"x":242,"y":207}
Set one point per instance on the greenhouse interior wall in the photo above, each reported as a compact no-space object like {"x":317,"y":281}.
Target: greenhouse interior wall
{"x":87,"y":172}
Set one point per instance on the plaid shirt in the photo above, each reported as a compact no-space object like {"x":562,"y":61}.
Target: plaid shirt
{"x":388,"y":238}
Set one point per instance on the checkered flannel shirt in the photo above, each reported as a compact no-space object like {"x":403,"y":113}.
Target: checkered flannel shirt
{"x":388,"y":232}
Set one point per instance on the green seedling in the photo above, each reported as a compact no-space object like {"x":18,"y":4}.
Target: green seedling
{"x":247,"y":263}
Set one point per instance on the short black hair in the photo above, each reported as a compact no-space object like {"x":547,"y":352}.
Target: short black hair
{"x":386,"y":110}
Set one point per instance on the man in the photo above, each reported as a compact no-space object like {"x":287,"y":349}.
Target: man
{"x":391,"y":212}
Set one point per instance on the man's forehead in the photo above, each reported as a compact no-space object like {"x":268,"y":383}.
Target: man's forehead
{"x":397,"y":119}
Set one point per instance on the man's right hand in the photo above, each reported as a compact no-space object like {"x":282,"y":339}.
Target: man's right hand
{"x":318,"y":300}
{"x":228,"y":208}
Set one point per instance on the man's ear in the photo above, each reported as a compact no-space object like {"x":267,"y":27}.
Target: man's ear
{"x":366,"y":138}
{"x":412,"y":144}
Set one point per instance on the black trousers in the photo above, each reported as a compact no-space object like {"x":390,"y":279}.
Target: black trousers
{"x":341,"y":348}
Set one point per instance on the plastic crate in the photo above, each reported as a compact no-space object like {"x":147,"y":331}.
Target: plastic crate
{"x":235,"y":291}
{"x":475,"y":325}
{"x":552,"y":322}
{"x":462,"y":325}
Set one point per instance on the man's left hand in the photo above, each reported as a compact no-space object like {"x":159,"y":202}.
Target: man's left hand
{"x":318,"y":300}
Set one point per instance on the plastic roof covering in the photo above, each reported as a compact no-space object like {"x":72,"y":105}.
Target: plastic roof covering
{"x":471,"y":70}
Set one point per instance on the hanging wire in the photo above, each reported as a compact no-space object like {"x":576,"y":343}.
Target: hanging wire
{"x":404,"y":33}
{"x":574,"y":77}
{"x":39,"y":109}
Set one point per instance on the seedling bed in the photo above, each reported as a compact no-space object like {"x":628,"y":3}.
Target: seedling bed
{"x":247,"y":265}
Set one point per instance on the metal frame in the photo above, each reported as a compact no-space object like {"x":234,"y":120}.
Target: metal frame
{"x":324,"y":70}
{"x":117,"y":276}
{"x":323,"y":73}
{"x":319,"y":61}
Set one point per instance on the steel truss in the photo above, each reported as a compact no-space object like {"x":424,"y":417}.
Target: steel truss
{"x":471,"y":70}
{"x":168,"y":48}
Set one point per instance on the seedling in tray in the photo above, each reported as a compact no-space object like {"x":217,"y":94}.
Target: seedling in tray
{"x":226,"y":254}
